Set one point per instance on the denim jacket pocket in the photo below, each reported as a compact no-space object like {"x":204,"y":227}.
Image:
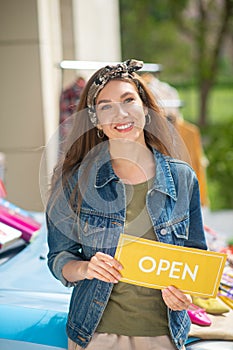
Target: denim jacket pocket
{"x":175,"y":233}
{"x":98,"y":233}
{"x":91,"y":232}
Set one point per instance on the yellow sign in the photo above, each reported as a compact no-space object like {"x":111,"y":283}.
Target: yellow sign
{"x":157,"y":265}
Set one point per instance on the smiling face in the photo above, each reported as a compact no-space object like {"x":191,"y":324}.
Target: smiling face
{"x":120,"y":111}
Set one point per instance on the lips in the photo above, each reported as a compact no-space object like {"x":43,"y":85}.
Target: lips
{"x":124,"y":127}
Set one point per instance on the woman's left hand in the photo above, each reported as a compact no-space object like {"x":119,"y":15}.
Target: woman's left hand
{"x":175,"y":299}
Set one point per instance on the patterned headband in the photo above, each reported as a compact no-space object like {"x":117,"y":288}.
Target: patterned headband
{"x":121,"y":70}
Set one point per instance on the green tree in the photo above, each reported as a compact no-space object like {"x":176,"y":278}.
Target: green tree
{"x":207,"y":23}
{"x":186,"y":36}
{"x":148,"y":32}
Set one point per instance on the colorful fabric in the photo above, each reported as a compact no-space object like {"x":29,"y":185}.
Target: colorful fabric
{"x":69,"y":100}
{"x":2,"y":189}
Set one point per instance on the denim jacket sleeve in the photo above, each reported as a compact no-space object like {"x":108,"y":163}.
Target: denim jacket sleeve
{"x":62,"y":230}
{"x":196,"y":229}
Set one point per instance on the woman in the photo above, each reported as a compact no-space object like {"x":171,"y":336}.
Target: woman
{"x":117,"y":175}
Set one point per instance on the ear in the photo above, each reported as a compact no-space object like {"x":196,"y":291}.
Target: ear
{"x":99,"y":127}
{"x":145,"y":108}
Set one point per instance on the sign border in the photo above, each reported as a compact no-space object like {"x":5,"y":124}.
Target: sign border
{"x":127,"y":239}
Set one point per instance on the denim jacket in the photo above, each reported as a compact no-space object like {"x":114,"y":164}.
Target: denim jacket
{"x":173,"y":205}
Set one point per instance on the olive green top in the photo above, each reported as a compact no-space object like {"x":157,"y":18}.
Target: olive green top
{"x":134,"y":310}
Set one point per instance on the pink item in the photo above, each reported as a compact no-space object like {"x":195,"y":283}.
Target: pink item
{"x":2,"y":189}
{"x":28,"y":226}
{"x":198,"y":316}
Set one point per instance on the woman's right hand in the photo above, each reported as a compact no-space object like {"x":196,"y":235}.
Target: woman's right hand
{"x":103,"y":267}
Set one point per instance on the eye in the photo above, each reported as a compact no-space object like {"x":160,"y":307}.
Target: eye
{"x":128,"y":100}
{"x":105,"y":107}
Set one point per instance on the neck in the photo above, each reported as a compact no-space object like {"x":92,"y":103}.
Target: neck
{"x":132,"y":161}
{"x":127,"y":149}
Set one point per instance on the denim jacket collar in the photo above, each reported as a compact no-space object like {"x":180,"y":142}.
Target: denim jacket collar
{"x":163,"y":180}
{"x":104,"y":170}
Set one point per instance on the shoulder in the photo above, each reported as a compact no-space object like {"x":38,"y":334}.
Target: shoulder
{"x":176,"y":166}
{"x":182,"y":165}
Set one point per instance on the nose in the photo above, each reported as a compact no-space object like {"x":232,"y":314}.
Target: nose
{"x":112,"y":111}
{"x":120,"y":110}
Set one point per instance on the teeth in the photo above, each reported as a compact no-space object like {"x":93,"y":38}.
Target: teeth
{"x":125,"y":126}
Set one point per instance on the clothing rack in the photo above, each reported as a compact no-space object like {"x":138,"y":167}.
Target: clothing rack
{"x":94,"y":65}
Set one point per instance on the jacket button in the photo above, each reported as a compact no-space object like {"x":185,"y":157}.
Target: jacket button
{"x":163,"y":231}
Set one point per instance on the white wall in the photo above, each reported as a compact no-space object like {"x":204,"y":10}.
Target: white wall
{"x":35,"y":35}
{"x":22,"y":125}
{"x":96,"y":31}
{"x":29,"y":90}
{"x":50,"y":47}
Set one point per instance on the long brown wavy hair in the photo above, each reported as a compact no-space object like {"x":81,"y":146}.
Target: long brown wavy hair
{"x":83,"y":136}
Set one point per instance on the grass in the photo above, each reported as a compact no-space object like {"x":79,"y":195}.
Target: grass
{"x":220,"y":104}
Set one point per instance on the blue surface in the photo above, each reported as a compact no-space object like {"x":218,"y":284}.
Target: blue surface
{"x":33,"y":325}
{"x":33,"y":304}
{"x":6,"y":344}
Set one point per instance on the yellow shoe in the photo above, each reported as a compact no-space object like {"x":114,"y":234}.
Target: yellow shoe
{"x":211,"y":305}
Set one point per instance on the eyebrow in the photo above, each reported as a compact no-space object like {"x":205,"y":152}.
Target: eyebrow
{"x":127,"y":93}
{"x":103,"y":101}
{"x":122,"y":96}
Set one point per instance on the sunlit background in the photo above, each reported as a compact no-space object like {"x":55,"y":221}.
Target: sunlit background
{"x":190,"y":40}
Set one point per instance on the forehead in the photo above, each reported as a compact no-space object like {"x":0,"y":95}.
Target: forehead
{"x":115,"y":88}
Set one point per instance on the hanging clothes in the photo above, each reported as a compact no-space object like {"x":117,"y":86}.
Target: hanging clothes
{"x":69,"y":100}
{"x":190,"y":133}
{"x":166,"y":95}
{"x":168,"y":99}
